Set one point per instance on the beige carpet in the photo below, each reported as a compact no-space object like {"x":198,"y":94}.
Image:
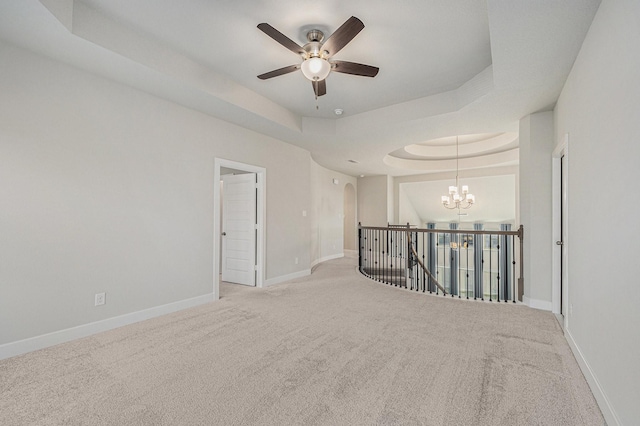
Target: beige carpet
{"x":331,"y":349}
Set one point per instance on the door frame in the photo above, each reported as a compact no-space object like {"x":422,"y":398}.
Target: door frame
{"x":261,"y":207}
{"x":560,"y":231}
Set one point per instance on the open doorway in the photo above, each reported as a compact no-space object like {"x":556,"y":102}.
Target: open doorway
{"x":239,"y":241}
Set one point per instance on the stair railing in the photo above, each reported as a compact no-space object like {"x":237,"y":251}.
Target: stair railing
{"x":477,"y":264}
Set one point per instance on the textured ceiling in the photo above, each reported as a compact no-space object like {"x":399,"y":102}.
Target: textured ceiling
{"x":447,"y":67}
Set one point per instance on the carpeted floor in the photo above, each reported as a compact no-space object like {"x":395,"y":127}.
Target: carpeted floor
{"x":331,"y":349}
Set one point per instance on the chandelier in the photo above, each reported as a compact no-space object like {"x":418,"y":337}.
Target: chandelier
{"x":458,"y":199}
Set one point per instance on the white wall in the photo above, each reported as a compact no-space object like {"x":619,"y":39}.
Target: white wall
{"x":407,"y":212}
{"x":105,"y":188}
{"x":536,"y":146}
{"x":350,"y":222}
{"x":373,"y":200}
{"x":444,"y":179}
{"x":327,"y":212}
{"x":391,"y":217}
{"x":600,"y":110}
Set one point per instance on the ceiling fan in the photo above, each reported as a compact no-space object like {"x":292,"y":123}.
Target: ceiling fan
{"x":316,"y":54}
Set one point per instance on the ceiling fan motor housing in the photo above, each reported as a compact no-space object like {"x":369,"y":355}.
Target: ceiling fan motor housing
{"x":315,"y":35}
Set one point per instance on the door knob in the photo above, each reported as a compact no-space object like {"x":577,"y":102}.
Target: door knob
{"x":559,"y":243}
{"x":224,"y":233}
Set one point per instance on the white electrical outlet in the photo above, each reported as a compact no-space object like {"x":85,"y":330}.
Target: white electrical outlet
{"x":296,"y":260}
{"x":100,"y":299}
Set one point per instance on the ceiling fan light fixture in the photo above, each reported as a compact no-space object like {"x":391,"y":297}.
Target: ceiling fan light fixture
{"x":315,"y":69}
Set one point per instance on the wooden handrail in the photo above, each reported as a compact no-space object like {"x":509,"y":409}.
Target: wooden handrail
{"x":517,"y":233}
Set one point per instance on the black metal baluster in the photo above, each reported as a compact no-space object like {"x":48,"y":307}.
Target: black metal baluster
{"x":424,"y":278}
{"x":364,"y":250}
{"x":367,"y":255}
{"x":394,"y":259}
{"x":482,"y":267}
{"x":381,"y":239}
{"x":467,"y":266}
{"x":457,"y":259}
{"x":437,"y":260}
{"x":490,"y":268}
{"x":359,"y":248}
{"x":391,"y":258}
{"x":371,"y":254}
{"x":513,"y":257}
{"x":408,"y":256}
{"x":385,"y":256}
{"x":399,"y":239}
{"x":498,"y":278}
{"x":399,"y":244}
{"x":390,"y":239}
{"x":398,"y":259}
{"x":418,"y":270}
{"x":374,"y":249}
{"x":403,"y":257}
{"x":408,"y":259}
{"x":381,"y":233}
{"x":378,"y":249}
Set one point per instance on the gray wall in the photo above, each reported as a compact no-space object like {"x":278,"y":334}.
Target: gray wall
{"x":350,"y":220}
{"x":105,"y":188}
{"x":536,"y":146}
{"x":374,"y":201}
{"x":327,"y":212}
{"x":600,"y":110}
{"x":407,"y":212}
{"x":440,"y":176}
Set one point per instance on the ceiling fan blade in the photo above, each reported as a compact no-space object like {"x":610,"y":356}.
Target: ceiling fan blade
{"x":354,"y":68}
{"x":281,"y":38}
{"x":342,"y":36}
{"x":320,"y":87}
{"x":281,"y":71}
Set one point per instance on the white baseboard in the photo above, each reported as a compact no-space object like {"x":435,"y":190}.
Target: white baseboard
{"x":283,"y":278}
{"x":324,"y":259}
{"x":31,"y":344}
{"x":299,"y":274}
{"x":603,"y":402}
{"x":537,"y":304}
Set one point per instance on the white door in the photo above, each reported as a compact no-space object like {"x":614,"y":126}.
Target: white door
{"x":239,"y":229}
